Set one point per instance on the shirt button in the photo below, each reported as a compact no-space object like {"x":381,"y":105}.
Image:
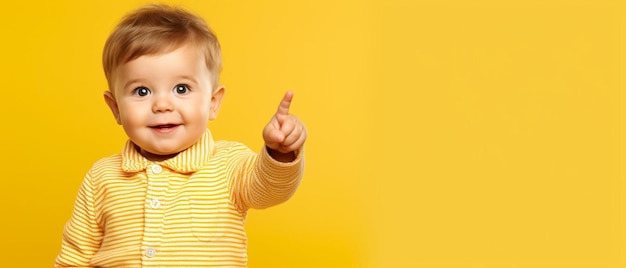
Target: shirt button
{"x":150,"y":252}
{"x":156,"y":169}
{"x":155,"y":203}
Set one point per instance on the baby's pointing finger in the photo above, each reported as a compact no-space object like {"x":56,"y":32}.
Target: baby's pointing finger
{"x":283,"y":107}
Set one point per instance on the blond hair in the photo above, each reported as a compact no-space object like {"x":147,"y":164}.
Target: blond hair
{"x":155,"y":29}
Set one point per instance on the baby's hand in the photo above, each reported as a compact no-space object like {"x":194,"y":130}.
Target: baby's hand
{"x":284,"y":133}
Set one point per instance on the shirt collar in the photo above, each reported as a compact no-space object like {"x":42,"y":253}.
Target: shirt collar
{"x":190,"y":160}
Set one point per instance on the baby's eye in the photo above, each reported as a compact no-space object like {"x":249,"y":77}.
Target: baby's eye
{"x":141,"y":91}
{"x":181,"y":89}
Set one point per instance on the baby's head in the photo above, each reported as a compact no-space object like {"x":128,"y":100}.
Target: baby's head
{"x":162,"y":65}
{"x":155,"y":29}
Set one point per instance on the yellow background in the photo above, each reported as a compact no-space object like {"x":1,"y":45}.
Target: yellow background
{"x":441,"y":133}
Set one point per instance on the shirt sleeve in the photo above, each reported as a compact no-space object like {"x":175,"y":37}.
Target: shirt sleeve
{"x":258,"y":181}
{"x":81,"y":236}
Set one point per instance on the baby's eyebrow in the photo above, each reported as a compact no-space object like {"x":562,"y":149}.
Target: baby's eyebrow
{"x":132,"y":81}
{"x":190,"y":78}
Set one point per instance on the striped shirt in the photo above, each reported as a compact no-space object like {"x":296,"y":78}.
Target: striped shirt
{"x":186,"y":211}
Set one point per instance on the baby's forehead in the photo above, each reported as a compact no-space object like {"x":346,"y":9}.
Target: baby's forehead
{"x":163,"y":49}
{"x":184,"y":61}
{"x":173,"y":55}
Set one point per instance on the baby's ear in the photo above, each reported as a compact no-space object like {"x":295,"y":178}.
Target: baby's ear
{"x":112,"y":103}
{"x":216,"y":101}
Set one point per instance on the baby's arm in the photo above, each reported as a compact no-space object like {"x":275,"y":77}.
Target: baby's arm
{"x":273,"y":175}
{"x":258,"y":181}
{"x":82,"y":235}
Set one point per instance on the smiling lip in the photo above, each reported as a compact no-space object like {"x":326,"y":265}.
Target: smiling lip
{"x":165,"y":128}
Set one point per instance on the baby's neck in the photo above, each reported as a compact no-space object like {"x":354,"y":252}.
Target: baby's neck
{"x":154,"y":157}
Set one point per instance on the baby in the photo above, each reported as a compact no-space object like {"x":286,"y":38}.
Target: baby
{"x":174,"y":196}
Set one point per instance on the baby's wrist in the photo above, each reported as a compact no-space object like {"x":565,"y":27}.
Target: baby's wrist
{"x":279,"y":156}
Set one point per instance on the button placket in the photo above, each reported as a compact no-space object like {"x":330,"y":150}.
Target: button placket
{"x":153,"y":217}
{"x":156,"y":187}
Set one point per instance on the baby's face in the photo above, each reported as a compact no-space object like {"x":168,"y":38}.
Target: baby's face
{"x":164,"y":101}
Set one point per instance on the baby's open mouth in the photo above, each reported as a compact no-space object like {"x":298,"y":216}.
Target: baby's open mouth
{"x":164,"y":126}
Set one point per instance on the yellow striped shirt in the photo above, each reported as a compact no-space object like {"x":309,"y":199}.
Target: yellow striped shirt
{"x":185,"y":211}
